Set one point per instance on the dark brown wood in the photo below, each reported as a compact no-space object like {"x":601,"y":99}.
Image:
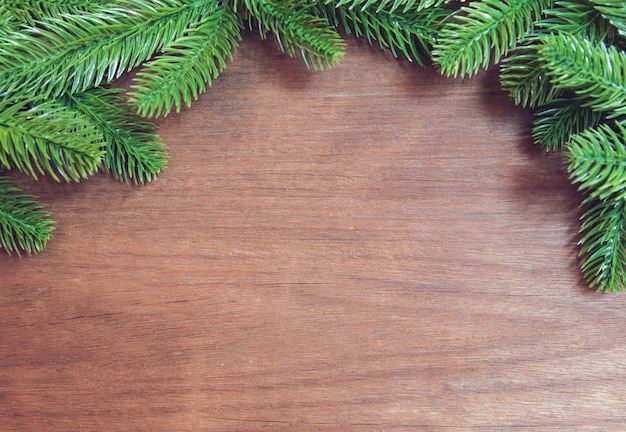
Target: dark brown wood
{"x":373,"y":247}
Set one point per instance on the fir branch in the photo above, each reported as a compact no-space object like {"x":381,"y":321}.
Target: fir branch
{"x":614,"y":11}
{"x":594,"y":71}
{"x":188,"y":64}
{"x":48,"y":138}
{"x":387,"y":5}
{"x":522,"y":73}
{"x":484,"y":32}
{"x":31,"y":11}
{"x":523,"y":78}
{"x":8,"y":23}
{"x":296,"y":30}
{"x":597,"y":161}
{"x":133,"y":152}
{"x":578,"y":18}
{"x":603,"y":245}
{"x":411,"y":33}
{"x":557,"y":120}
{"x":74,"y":52}
{"x":24,"y":224}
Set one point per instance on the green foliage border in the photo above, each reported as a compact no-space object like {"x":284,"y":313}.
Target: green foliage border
{"x":564,"y":59}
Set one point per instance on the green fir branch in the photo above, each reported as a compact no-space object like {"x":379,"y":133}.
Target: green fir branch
{"x":559,"y":119}
{"x":597,"y":161}
{"x":134,"y":153}
{"x":614,"y":11}
{"x":8,"y":22}
{"x":523,"y":78}
{"x":74,"y":52}
{"x":575,"y":17}
{"x":29,"y":12}
{"x":483,"y":32}
{"x":522,"y":72}
{"x":410,"y":33}
{"x":390,"y":6}
{"x":603,"y":245}
{"x":48,"y":138}
{"x":594,"y":71}
{"x":296,"y":29}
{"x":24,"y":225}
{"x":187,"y":65}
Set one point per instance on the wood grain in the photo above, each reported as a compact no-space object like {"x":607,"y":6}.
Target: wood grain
{"x":369,"y":248}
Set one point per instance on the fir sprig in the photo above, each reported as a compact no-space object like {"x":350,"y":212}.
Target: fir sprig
{"x":75,"y":52}
{"x":48,"y":138}
{"x":483,"y":32}
{"x":559,"y":119}
{"x":296,"y":30}
{"x":31,"y":11}
{"x":597,"y":161}
{"x":187,"y":65}
{"x":594,"y":71}
{"x":522,"y":72}
{"x":603,"y":245}
{"x":410,"y":33}
{"x":389,"y":6}
{"x":575,"y":17}
{"x":133,"y":152}
{"x":24,"y":225}
{"x":522,"y":76}
{"x":614,"y":11}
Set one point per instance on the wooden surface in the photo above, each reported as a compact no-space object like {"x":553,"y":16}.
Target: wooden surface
{"x":370,"y":248}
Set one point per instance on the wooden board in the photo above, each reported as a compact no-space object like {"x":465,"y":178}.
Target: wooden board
{"x":372,"y":248}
